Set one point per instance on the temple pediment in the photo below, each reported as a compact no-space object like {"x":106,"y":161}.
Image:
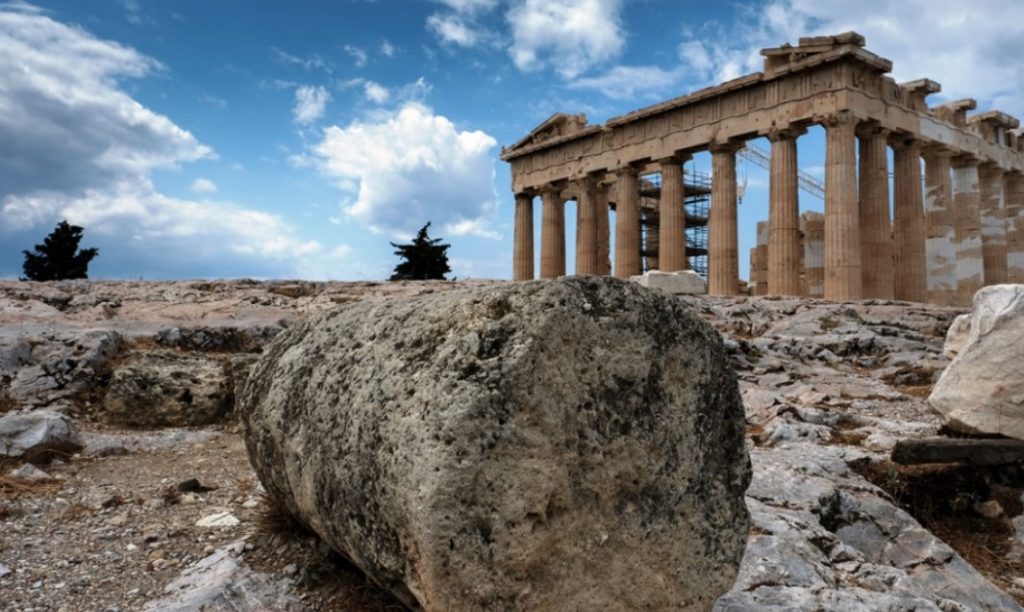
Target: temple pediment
{"x":555,"y":126}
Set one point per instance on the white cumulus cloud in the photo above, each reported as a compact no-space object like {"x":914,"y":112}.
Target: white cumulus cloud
{"x":75,"y":145}
{"x":410,"y":167}
{"x":571,"y":36}
{"x":204,"y":185}
{"x":973,"y":49}
{"x":452,"y":29}
{"x":375,"y":92}
{"x":310,"y":103}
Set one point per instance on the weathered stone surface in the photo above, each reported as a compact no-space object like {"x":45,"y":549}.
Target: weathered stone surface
{"x":957,"y":336}
{"x":686,"y":282}
{"x":60,"y":365}
{"x":165,"y":388}
{"x":982,"y":390}
{"x":573,"y":444}
{"x":37,"y":436}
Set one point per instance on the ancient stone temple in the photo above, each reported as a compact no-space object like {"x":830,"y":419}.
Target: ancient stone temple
{"x":956,"y":226}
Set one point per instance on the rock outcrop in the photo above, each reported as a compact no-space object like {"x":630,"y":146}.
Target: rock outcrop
{"x":573,"y":444}
{"x":166,"y":388}
{"x":982,"y":390}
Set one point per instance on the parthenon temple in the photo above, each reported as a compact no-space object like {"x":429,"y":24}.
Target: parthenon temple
{"x":958,"y":227}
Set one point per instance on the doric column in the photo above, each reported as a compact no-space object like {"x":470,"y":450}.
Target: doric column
{"x":970,"y":268}
{"x":723,"y":245}
{"x":908,"y":224}
{"x":1015,"y":227}
{"x":940,"y":252}
{"x":552,"y":234}
{"x":759,"y":260}
{"x":651,"y":242}
{"x":843,"y":275}
{"x":604,"y":264}
{"x":783,"y":215}
{"x":627,"y":224}
{"x":993,"y":223}
{"x":672,"y":217}
{"x":522,"y":256}
{"x":586,"y":227}
{"x":875,"y":227}
{"x":814,"y":253}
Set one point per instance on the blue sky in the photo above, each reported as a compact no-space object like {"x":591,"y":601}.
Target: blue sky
{"x":199,"y":138}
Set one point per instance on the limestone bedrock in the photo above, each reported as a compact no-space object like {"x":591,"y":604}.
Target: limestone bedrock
{"x":982,"y":390}
{"x":574,"y":444}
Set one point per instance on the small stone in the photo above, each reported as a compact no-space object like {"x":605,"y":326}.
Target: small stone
{"x":29,"y":473}
{"x":192,"y":485}
{"x":291,"y":569}
{"x":250,"y":503}
{"x":220,"y":519}
{"x":4,"y":570}
{"x":989,"y":509}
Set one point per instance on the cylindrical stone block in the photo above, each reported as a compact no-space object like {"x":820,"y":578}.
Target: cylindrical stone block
{"x":783,"y":216}
{"x":723,"y":246}
{"x":908,"y":226}
{"x":843,"y":270}
{"x":552,"y":235}
{"x":1015,"y":227}
{"x":569,"y":445}
{"x":875,"y":227}
{"x":993,"y":224}
{"x":627,"y":224}
{"x":940,"y":243}
{"x":672,"y":218}
{"x":970,"y":268}
{"x":586,"y":228}
{"x":522,"y":258}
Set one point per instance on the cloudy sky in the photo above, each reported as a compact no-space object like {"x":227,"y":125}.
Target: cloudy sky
{"x":237,"y":138}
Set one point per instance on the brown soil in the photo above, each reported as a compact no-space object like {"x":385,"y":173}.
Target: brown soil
{"x":114,"y":531}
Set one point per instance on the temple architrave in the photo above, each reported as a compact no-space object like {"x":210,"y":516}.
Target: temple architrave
{"x":955,"y":227}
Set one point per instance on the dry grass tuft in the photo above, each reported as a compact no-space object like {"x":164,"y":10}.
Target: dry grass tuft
{"x":13,"y":488}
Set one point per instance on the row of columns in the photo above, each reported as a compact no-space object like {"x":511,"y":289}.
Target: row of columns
{"x":965,"y":232}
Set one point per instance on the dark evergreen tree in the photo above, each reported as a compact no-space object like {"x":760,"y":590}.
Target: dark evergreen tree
{"x":422,"y":259}
{"x":58,"y":258}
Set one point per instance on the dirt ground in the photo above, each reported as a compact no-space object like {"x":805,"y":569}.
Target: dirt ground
{"x":110,"y":533}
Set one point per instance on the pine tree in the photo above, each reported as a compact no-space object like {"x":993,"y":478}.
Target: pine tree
{"x":423,"y":258}
{"x":58,"y":258}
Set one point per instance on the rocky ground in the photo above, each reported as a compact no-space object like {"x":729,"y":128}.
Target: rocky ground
{"x":162,"y":511}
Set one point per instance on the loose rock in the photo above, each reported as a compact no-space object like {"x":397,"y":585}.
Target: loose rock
{"x":571,"y":444}
{"x":982,"y":390}
{"x":37,"y":436}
